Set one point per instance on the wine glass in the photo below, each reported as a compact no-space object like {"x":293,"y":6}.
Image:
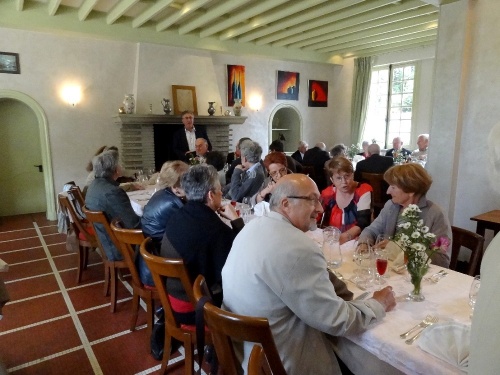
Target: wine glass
{"x":364,"y":258}
{"x":381,"y":246}
{"x":381,"y":263}
{"x":474,"y":290}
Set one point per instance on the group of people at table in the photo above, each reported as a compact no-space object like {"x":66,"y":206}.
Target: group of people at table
{"x":268,"y":267}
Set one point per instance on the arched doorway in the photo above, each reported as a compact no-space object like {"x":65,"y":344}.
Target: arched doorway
{"x":41,"y":120}
{"x":285,"y":124}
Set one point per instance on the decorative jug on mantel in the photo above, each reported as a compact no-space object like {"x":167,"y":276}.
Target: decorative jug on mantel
{"x":129,"y":104}
{"x":211,"y":108}
{"x":166,"y":106}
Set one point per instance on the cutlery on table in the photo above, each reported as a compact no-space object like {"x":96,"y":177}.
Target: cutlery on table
{"x":431,"y":322}
{"x":437,"y":276}
{"x":422,"y":324}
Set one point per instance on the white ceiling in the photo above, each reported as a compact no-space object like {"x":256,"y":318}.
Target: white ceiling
{"x":321,"y":30}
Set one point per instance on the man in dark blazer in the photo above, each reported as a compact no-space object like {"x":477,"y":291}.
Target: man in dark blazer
{"x":397,"y":145}
{"x":301,"y":150}
{"x":375,"y":163}
{"x":183,"y":140}
{"x":317,"y":157}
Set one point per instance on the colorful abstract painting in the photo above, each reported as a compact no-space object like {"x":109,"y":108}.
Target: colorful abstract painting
{"x":235,"y":84}
{"x":287,"y":87}
{"x":318,"y":93}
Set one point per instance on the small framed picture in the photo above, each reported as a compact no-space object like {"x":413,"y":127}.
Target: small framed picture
{"x":9,"y":63}
{"x":184,"y":99}
{"x":318,"y":93}
{"x":287,"y":85}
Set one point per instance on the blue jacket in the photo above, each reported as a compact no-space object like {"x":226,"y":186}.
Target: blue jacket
{"x":105,"y":194}
{"x":157,"y":212}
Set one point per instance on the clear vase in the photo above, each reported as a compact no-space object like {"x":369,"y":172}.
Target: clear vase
{"x":416,"y":276}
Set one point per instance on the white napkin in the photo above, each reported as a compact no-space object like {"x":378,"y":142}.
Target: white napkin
{"x":261,"y":209}
{"x":357,"y":158}
{"x":449,"y":341}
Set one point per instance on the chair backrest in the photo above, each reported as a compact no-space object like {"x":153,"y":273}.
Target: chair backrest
{"x":257,"y":363}
{"x":472,"y":241}
{"x":226,"y":326}
{"x":379,"y":186}
{"x":162,"y":268}
{"x":80,"y":228}
{"x":127,"y":238}
{"x":98,"y":217}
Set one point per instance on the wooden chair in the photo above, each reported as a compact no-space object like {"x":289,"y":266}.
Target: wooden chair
{"x":226,"y":326}
{"x":470,"y":240}
{"x":379,"y":196}
{"x":127,"y":238}
{"x":110,"y":266}
{"x":84,"y":233}
{"x":257,"y":363}
{"x":162,"y":268}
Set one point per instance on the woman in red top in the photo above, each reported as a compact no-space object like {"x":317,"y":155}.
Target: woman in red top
{"x":346,"y":203}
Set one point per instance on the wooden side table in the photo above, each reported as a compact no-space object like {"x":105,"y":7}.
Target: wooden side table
{"x":489,"y":220}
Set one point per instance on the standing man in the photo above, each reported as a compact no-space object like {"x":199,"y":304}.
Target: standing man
{"x":184,"y":140}
{"x":301,"y":150}
{"x":284,"y":277}
{"x":317,"y":157}
{"x":397,"y":147}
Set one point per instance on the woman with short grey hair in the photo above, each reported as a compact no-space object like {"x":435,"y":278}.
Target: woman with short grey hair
{"x":196,"y":234}
{"x":247,"y":177}
{"x":106,"y":164}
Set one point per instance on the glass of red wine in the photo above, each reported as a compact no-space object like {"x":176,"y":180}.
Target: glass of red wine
{"x":381,"y":261}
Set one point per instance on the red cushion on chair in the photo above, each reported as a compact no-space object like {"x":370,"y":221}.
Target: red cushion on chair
{"x":90,"y":229}
{"x":180,"y":306}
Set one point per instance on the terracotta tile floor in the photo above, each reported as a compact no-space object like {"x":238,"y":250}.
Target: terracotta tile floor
{"x":54,"y":326}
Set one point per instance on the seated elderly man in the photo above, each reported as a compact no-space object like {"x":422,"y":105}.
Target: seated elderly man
{"x":104,"y":194}
{"x":275,"y":271}
{"x":196,"y":234}
{"x":423,"y":144}
{"x":301,"y":150}
{"x":200,"y":153}
{"x":249,"y":175}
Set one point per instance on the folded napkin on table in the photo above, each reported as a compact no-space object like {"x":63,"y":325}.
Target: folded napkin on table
{"x":448,"y":341}
{"x":261,"y":208}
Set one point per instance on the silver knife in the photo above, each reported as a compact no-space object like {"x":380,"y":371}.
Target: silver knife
{"x":361,"y":296}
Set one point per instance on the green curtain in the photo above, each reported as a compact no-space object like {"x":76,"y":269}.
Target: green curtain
{"x":360,"y":91}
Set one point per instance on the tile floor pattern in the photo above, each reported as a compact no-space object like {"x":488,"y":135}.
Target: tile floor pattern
{"x":54,"y":326}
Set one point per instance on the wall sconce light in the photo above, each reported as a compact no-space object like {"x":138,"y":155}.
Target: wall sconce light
{"x":255,"y":102}
{"x":72,"y":94}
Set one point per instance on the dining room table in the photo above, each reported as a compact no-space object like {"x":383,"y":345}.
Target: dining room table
{"x":139,"y":198}
{"x":380,"y":350}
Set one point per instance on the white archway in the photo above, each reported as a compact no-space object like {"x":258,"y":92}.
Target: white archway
{"x":45,"y":146}
{"x":292,"y":130}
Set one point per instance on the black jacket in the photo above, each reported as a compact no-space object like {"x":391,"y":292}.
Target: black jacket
{"x":374,"y":164}
{"x":180,"y":143}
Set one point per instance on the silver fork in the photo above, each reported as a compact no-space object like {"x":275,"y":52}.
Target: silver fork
{"x":437,"y":276}
{"x":422,"y":324}
{"x":431,"y":322}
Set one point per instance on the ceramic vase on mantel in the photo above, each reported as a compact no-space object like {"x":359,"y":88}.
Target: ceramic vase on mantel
{"x":211,"y":108}
{"x":129,"y":104}
{"x":166,"y":106}
{"x":237,"y":107}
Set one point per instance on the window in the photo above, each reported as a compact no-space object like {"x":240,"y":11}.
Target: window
{"x":390,"y":104}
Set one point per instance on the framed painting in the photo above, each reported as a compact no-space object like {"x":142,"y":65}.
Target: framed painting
{"x":235,"y":84}
{"x":9,"y":63}
{"x":184,"y":98}
{"x":287,"y":86}
{"x":318,"y":93}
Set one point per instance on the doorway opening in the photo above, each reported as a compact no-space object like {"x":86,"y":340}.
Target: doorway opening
{"x":285,"y":124}
{"x":41,"y":120}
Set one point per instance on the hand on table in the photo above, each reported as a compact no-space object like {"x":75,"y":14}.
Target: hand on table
{"x":386,"y":297}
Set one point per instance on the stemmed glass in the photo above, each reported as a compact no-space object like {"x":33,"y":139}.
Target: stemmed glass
{"x":380,"y":247}
{"x":381,"y":263}
{"x":364,"y":258}
{"x":474,"y":290}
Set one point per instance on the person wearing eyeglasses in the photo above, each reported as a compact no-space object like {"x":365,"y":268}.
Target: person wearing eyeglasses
{"x":276,"y":167}
{"x":274,"y":270}
{"x":346,"y":203}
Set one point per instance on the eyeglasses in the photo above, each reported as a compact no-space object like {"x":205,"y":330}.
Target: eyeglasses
{"x":281,"y":172}
{"x":345,"y":178}
{"x":314,"y":200}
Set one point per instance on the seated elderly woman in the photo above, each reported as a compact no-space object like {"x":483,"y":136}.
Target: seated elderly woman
{"x":408,"y":184}
{"x":347,"y":203}
{"x":104,"y":194}
{"x":276,"y":166}
{"x":247,"y":177}
{"x":165,"y":201}
{"x":196,"y":234}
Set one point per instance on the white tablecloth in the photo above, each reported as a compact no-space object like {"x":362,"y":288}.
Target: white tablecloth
{"x":447,"y":299}
{"x":139,"y":198}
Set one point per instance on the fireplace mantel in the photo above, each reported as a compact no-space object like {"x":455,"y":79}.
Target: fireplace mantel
{"x":176,"y":120}
{"x":138,"y":136}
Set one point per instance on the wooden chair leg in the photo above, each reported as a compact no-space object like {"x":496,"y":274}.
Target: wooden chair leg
{"x":166,"y":352}
{"x":81,"y":252}
{"x":106,"y":278}
{"x":135,"y":310}
{"x":189,"y":355}
{"x":150,"y":306}
{"x":86,"y":257}
{"x":113,"y":283}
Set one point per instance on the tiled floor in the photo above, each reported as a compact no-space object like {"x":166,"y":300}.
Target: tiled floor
{"x":54,"y":326}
